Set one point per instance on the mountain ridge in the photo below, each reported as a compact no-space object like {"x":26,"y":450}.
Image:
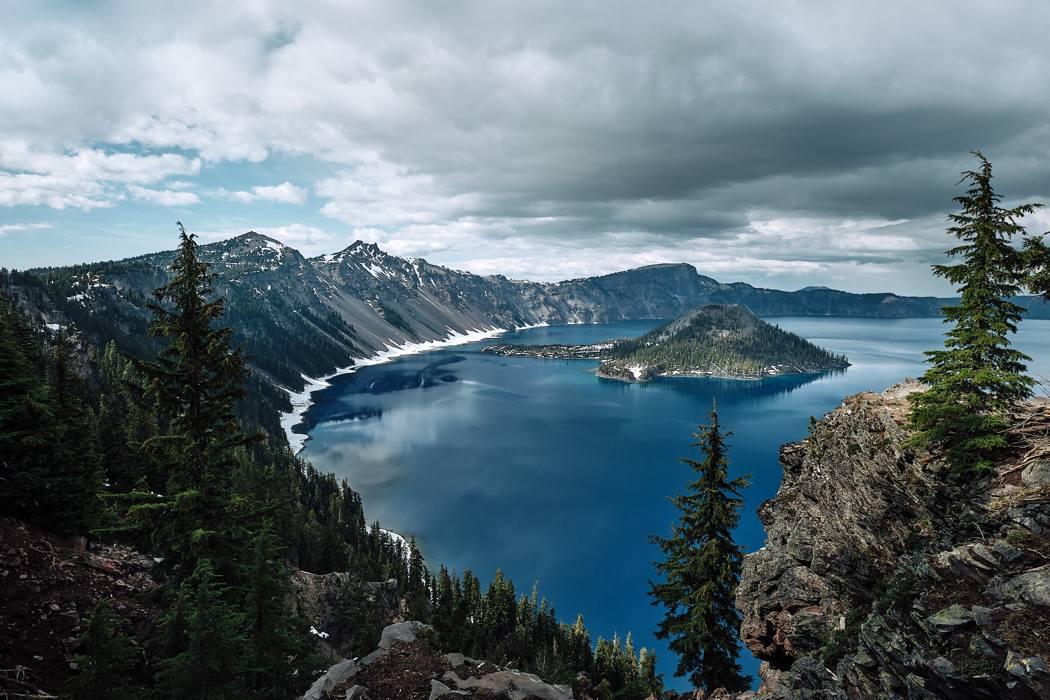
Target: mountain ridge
{"x":302,"y":317}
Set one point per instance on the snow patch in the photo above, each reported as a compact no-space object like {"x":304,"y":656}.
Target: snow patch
{"x":302,"y":400}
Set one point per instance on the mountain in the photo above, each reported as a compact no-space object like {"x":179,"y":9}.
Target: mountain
{"x":722,"y":340}
{"x":300,"y":317}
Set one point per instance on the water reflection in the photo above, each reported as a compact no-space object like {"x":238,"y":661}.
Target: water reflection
{"x":541,"y":469}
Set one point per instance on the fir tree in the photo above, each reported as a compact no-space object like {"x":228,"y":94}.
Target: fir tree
{"x":279,"y":651}
{"x":194,"y":381}
{"x":700,"y":570}
{"x":1037,"y":263}
{"x":211,"y":662}
{"x":107,"y":658}
{"x":978,"y":377}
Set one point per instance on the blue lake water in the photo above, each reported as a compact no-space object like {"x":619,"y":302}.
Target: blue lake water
{"x":542,"y":469}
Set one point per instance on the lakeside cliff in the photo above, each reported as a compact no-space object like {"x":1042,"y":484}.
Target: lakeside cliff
{"x":884,"y":576}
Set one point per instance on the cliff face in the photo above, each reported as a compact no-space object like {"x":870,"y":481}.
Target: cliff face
{"x":883,"y":576}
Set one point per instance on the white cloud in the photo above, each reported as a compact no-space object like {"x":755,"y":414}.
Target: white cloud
{"x":10,"y":228}
{"x":284,"y":193}
{"x":165,"y":198}
{"x":83,"y":179}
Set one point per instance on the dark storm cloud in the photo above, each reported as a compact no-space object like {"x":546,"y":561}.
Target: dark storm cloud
{"x":544,"y":129}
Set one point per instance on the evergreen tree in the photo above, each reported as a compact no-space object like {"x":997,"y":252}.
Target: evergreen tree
{"x":211,"y":663}
{"x":106,"y":661}
{"x":701,"y":568}
{"x":1037,"y":263}
{"x":49,"y":471}
{"x":978,"y":377}
{"x":279,"y":651}
{"x":194,"y":381}
{"x":417,"y":594}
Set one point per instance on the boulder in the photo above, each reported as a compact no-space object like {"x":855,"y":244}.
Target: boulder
{"x":510,"y":684}
{"x":335,"y":675}
{"x":1036,"y":474}
{"x":1031,"y":587}
{"x":402,"y":632}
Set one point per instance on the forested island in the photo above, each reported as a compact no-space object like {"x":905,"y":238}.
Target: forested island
{"x":717,"y":340}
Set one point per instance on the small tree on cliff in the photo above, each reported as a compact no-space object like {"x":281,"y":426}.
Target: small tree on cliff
{"x":977,"y":377}
{"x":701,"y":569}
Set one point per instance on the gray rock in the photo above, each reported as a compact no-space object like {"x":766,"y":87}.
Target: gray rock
{"x":455,"y":660}
{"x":440,"y":690}
{"x":942,"y":666}
{"x":377,"y":654}
{"x":950,"y":618}
{"x":1005,"y":551}
{"x":1032,"y":587}
{"x":356,"y":692}
{"x":981,"y":615}
{"x":335,"y":675}
{"x":1036,"y":474}
{"x":401,"y":632}
{"x":511,"y":684}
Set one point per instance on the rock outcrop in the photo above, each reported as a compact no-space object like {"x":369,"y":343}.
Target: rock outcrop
{"x":347,"y":615}
{"x":407,"y":667}
{"x":884,"y":576}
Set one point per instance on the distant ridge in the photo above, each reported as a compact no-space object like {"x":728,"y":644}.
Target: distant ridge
{"x":301,"y":316}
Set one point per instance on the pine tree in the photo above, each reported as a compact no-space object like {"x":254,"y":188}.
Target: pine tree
{"x":279,"y":652}
{"x":211,"y":662}
{"x":978,"y":377}
{"x":701,"y":568}
{"x":49,"y":470}
{"x":75,"y":477}
{"x":194,"y":381}
{"x":107,"y":658}
{"x":1037,"y":263}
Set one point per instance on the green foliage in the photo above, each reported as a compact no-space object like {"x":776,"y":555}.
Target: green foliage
{"x":724,"y":339}
{"x":975,"y":380}
{"x":1037,"y":262}
{"x":208,"y":633}
{"x":106,"y":661}
{"x":49,"y":468}
{"x":701,"y":568}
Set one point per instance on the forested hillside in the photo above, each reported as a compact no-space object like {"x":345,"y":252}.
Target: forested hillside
{"x":717,"y":340}
{"x":145,"y":451}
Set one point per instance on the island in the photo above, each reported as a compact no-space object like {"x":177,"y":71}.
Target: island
{"x":717,"y":340}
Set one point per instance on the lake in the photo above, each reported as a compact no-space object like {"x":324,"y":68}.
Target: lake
{"x":541,"y":469}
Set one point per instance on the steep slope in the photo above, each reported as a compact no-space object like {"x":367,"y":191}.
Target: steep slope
{"x":722,"y":340}
{"x":884,"y":577}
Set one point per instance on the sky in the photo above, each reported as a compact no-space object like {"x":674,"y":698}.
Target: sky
{"x":783,"y":144}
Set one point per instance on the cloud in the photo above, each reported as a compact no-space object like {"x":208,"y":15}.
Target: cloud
{"x":466,"y":126}
{"x":86,"y":178}
{"x":165,"y":198}
{"x":284,"y":193}
{"x":10,"y":228}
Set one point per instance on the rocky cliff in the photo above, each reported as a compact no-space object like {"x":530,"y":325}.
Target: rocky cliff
{"x":884,"y":576}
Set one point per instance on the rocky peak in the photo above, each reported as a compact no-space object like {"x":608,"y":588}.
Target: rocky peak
{"x":884,"y":576}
